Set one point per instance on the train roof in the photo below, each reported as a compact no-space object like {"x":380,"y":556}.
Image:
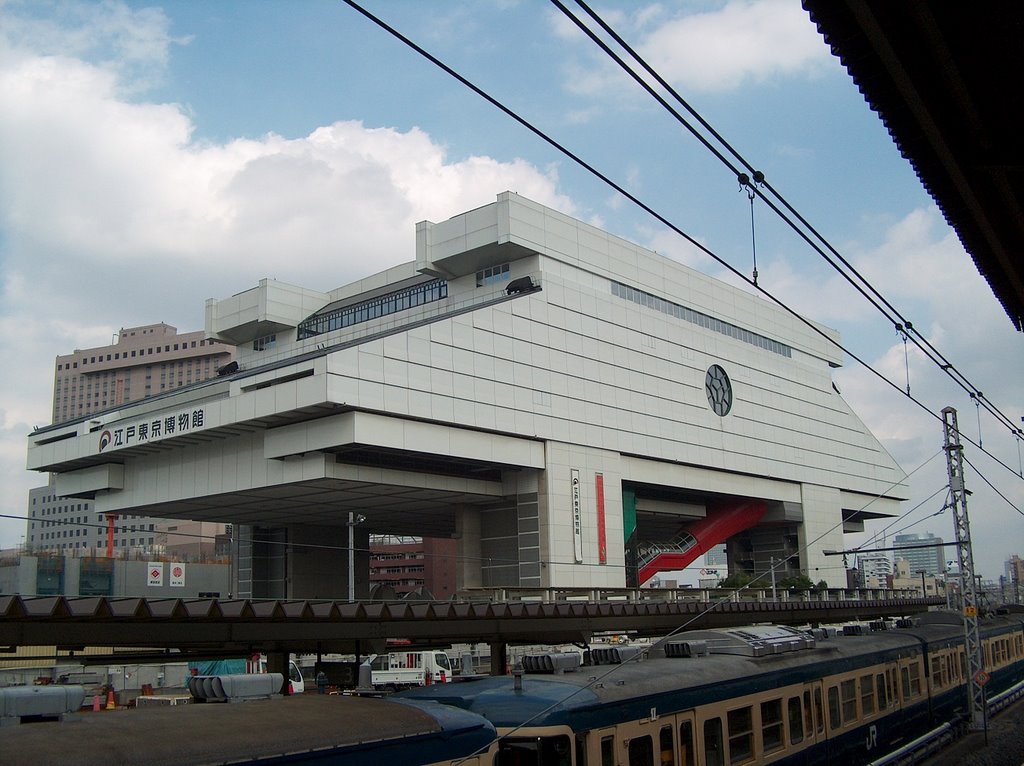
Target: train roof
{"x":233,"y":733}
{"x":681,"y":682}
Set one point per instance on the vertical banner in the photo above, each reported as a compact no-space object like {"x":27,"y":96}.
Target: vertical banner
{"x":155,"y":574}
{"x":177,"y":576}
{"x":577,"y":517}
{"x":602,"y":540}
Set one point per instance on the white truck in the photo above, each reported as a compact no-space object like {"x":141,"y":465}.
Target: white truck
{"x":402,"y":670}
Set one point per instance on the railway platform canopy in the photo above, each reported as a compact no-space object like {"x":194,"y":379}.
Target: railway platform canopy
{"x":574,"y":409}
{"x":217,"y":627}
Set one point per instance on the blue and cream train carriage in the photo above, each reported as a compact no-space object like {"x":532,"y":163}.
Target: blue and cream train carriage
{"x":755,"y":695}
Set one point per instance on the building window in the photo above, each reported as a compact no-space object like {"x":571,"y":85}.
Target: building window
{"x":400,"y":300}
{"x":699,"y":318}
{"x":265,"y":343}
{"x":719,"y":390}
{"x":493,"y":274}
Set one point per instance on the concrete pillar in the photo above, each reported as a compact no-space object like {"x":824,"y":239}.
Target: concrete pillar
{"x":467,"y":550}
{"x":499,"y":658}
{"x":318,"y":562}
{"x":277,"y":662}
{"x":822,"y":529}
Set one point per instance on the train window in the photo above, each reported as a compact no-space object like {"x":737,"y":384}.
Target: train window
{"x":848,"y":695}
{"x":668,"y":751}
{"x":534,"y":751}
{"x":809,"y":712}
{"x":641,"y":751}
{"x":867,"y":695}
{"x":914,"y":674}
{"x":834,"y":721}
{"x":741,"y":735}
{"x":796,"y":721}
{"x":607,"y":751}
{"x":936,"y":672}
{"x":819,"y":711}
{"x":714,"y":753}
{"x":883,"y":703}
{"x":686,"y":743}
{"x":771,"y":725}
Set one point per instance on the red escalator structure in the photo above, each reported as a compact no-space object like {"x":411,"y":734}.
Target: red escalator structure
{"x":696,"y":538}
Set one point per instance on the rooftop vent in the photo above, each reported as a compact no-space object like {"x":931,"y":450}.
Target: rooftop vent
{"x":686,"y":648}
{"x":614,"y":655}
{"x":235,"y":688}
{"x":26,"y":704}
{"x":556,"y":662}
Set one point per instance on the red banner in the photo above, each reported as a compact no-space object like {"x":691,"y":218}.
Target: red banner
{"x":602,"y":541}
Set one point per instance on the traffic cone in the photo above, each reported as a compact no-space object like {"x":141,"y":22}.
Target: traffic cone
{"x":111,"y":704}
{"x":95,"y":703}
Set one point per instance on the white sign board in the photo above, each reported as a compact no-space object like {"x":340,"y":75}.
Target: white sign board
{"x":177,"y":576}
{"x":577,"y":517}
{"x":155,"y":574}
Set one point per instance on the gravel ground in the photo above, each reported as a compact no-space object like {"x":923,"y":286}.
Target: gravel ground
{"x":1005,"y":744}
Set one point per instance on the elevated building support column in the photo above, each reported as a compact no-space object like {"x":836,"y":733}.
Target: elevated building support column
{"x":318,"y":562}
{"x":499,"y":659}
{"x":822,"y":530}
{"x":277,"y":662}
{"x":468,"y":553}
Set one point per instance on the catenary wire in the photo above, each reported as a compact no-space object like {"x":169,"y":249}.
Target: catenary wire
{"x":886,"y":308}
{"x":646,"y":208}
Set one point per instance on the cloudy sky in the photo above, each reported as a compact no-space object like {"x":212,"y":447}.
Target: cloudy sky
{"x":155,"y":156}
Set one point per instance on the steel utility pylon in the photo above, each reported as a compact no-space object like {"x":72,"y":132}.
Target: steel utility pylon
{"x":972,"y":642}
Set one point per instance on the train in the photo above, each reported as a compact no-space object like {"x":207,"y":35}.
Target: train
{"x":754,"y":695}
{"x":760,"y":694}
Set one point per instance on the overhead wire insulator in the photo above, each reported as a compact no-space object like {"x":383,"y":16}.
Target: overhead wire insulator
{"x":745,"y":183}
{"x":901,"y":331}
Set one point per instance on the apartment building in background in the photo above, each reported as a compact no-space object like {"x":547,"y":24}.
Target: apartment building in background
{"x":143,"y":362}
{"x":408,"y":564}
{"x":924,"y":552}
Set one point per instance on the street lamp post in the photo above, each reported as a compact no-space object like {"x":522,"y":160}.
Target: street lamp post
{"x":353,"y":519}
{"x":924,"y":591}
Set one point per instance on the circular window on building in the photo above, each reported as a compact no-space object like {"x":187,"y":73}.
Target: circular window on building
{"x":719,"y":390}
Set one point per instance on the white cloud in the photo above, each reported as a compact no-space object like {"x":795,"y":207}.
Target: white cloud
{"x":734,"y":44}
{"x":742,"y":42}
{"x":111,"y":214}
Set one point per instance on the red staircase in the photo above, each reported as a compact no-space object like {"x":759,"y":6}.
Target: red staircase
{"x":695,"y":539}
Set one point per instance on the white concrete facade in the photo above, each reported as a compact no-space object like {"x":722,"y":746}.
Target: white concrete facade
{"x":496,"y":416}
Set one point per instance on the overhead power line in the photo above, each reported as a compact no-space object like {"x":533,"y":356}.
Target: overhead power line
{"x":755,"y":182}
{"x":648,"y":209}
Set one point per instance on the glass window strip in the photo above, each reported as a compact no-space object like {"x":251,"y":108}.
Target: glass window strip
{"x":703,"y":320}
{"x":384,"y":305}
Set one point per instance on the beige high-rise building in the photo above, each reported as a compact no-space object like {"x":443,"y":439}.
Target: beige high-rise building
{"x":143,"y":362}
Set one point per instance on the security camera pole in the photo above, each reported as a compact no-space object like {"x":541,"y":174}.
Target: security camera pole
{"x":965,"y":558}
